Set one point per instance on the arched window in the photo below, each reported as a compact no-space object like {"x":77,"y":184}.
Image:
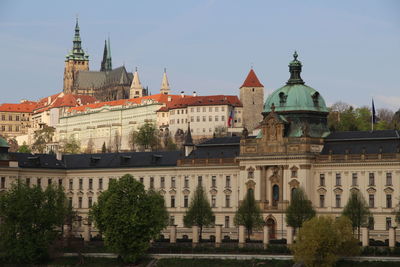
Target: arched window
{"x":294,"y":189}
{"x":275,"y":195}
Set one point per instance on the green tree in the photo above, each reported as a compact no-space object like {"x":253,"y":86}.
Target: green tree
{"x":249,"y":214}
{"x":199,"y":212}
{"x":129,"y":217}
{"x":299,"y":210}
{"x":29,"y":221}
{"x":363,"y":119}
{"x":71,"y":146}
{"x":42,"y":137}
{"x":323,"y":239}
{"x":357,"y":211}
{"x":170,"y":145}
{"x":24,"y":148}
{"x":147,"y":136}
{"x":133,"y":139}
{"x":104,"y":148}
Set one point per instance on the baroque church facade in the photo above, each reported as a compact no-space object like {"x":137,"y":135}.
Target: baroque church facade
{"x":293,"y":149}
{"x":106,"y":85}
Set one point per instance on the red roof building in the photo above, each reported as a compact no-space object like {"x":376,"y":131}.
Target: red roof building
{"x":252,"y":80}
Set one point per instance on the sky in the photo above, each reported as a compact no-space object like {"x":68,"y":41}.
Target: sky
{"x":350,"y":50}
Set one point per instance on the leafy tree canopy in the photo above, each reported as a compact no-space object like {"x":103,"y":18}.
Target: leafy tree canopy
{"x":24,"y":148}
{"x":323,"y":239}
{"x":357,"y":211}
{"x":42,"y":137}
{"x":129,"y":217}
{"x":147,"y":136}
{"x":71,"y":146}
{"x":29,"y":221}
{"x":299,"y":210}
{"x":199,"y":212}
{"x":249,"y":214}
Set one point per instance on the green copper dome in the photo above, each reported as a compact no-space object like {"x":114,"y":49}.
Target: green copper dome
{"x":295,"y":95}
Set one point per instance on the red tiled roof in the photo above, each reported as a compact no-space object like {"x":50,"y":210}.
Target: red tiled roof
{"x":252,"y":80}
{"x":210,"y":100}
{"x":26,"y":107}
{"x":161,"y":98}
{"x":66,"y":100}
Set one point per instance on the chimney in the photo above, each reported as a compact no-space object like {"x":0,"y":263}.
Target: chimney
{"x":58,"y":155}
{"x":23,"y":101}
{"x":182,"y":94}
{"x":169,"y":98}
{"x":48,"y":100}
{"x":194,"y":93}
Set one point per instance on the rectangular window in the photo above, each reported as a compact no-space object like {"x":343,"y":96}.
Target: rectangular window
{"x":371,"y":201}
{"x":173,"y":182}
{"x":28,"y":181}
{"x":228,"y":181}
{"x":338,"y":200}
{"x":49,"y":181}
{"x":388,"y":201}
{"x":172,"y":220}
{"x":60,"y":182}
{"x":210,"y":109}
{"x":186,"y":201}
{"x":172,"y":201}
{"x":250,"y":174}
{"x":141,"y":179}
{"x":3,"y":182}
{"x":222,"y":108}
{"x":227,"y":201}
{"x":70,"y":201}
{"x":388,"y":223}
{"x":17,"y":118}
{"x":226,"y":221}
{"x":39,"y":182}
{"x":90,"y":184}
{"x":191,"y":119}
{"x":371,"y":179}
{"x":80,"y":202}
{"x":209,"y":118}
{"x":213,"y":201}
{"x":71,"y":184}
{"x":199,"y":180}
{"x":17,"y":128}
{"x":354,"y":179}
{"x":10,"y":117}
{"x":191,"y":109}
{"x":10,"y":128}
{"x":321,"y":201}
{"x":388,"y":178}
{"x":162,"y":182}
{"x":216,"y":109}
{"x":216,"y":118}
{"x":213,"y":181}
{"x":222,"y":118}
{"x":322,"y":179}
{"x":151,"y":182}
{"x":204,"y":118}
{"x":338,"y":179}
{"x":186,"y":184}
{"x":101,"y":183}
{"x":90,"y":202}
{"x":198,"y":118}
{"x":79,"y":221}
{"x":371,"y":223}
{"x":80,"y":184}
{"x":3,"y":117}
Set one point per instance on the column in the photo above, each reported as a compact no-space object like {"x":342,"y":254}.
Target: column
{"x":263,"y":184}
{"x":266,"y":236}
{"x":218,"y":235}
{"x":241,"y":236}
{"x":195,"y":234}
{"x":289,"y":235}
{"x":392,"y":237}
{"x":172,"y":234}
{"x":86,"y":232}
{"x":365,"y":236}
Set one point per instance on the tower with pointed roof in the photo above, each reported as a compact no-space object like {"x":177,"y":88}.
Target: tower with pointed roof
{"x":76,"y":60}
{"x":136,"y":87}
{"x":106,"y":63}
{"x":164,"y":84}
{"x":252,"y":98}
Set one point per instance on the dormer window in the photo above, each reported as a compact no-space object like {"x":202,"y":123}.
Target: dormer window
{"x":282,"y":98}
{"x":315,"y":98}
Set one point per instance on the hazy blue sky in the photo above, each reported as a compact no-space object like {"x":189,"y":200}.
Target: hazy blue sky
{"x":350,"y":49}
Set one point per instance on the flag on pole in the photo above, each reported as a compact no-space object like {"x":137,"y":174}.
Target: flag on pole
{"x":230,"y":118}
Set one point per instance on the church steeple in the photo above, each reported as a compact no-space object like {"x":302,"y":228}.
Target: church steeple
{"x":164,"y":84}
{"x":136,"y":87}
{"x":106,"y":63}
{"x":75,"y":61}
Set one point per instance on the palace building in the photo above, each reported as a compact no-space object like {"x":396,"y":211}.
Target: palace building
{"x":293,"y":149}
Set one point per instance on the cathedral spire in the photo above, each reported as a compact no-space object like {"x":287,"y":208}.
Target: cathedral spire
{"x":77,"y":52}
{"x":164,"y":84}
{"x":136,"y":87}
{"x":106,"y":64}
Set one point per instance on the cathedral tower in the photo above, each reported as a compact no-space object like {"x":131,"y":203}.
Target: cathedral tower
{"x":164,"y":84}
{"x":252,"y":98}
{"x":106,"y":63}
{"x":136,"y":87}
{"x":75,"y":61}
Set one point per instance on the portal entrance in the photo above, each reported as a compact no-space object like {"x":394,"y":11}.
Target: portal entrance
{"x":271,"y":228}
